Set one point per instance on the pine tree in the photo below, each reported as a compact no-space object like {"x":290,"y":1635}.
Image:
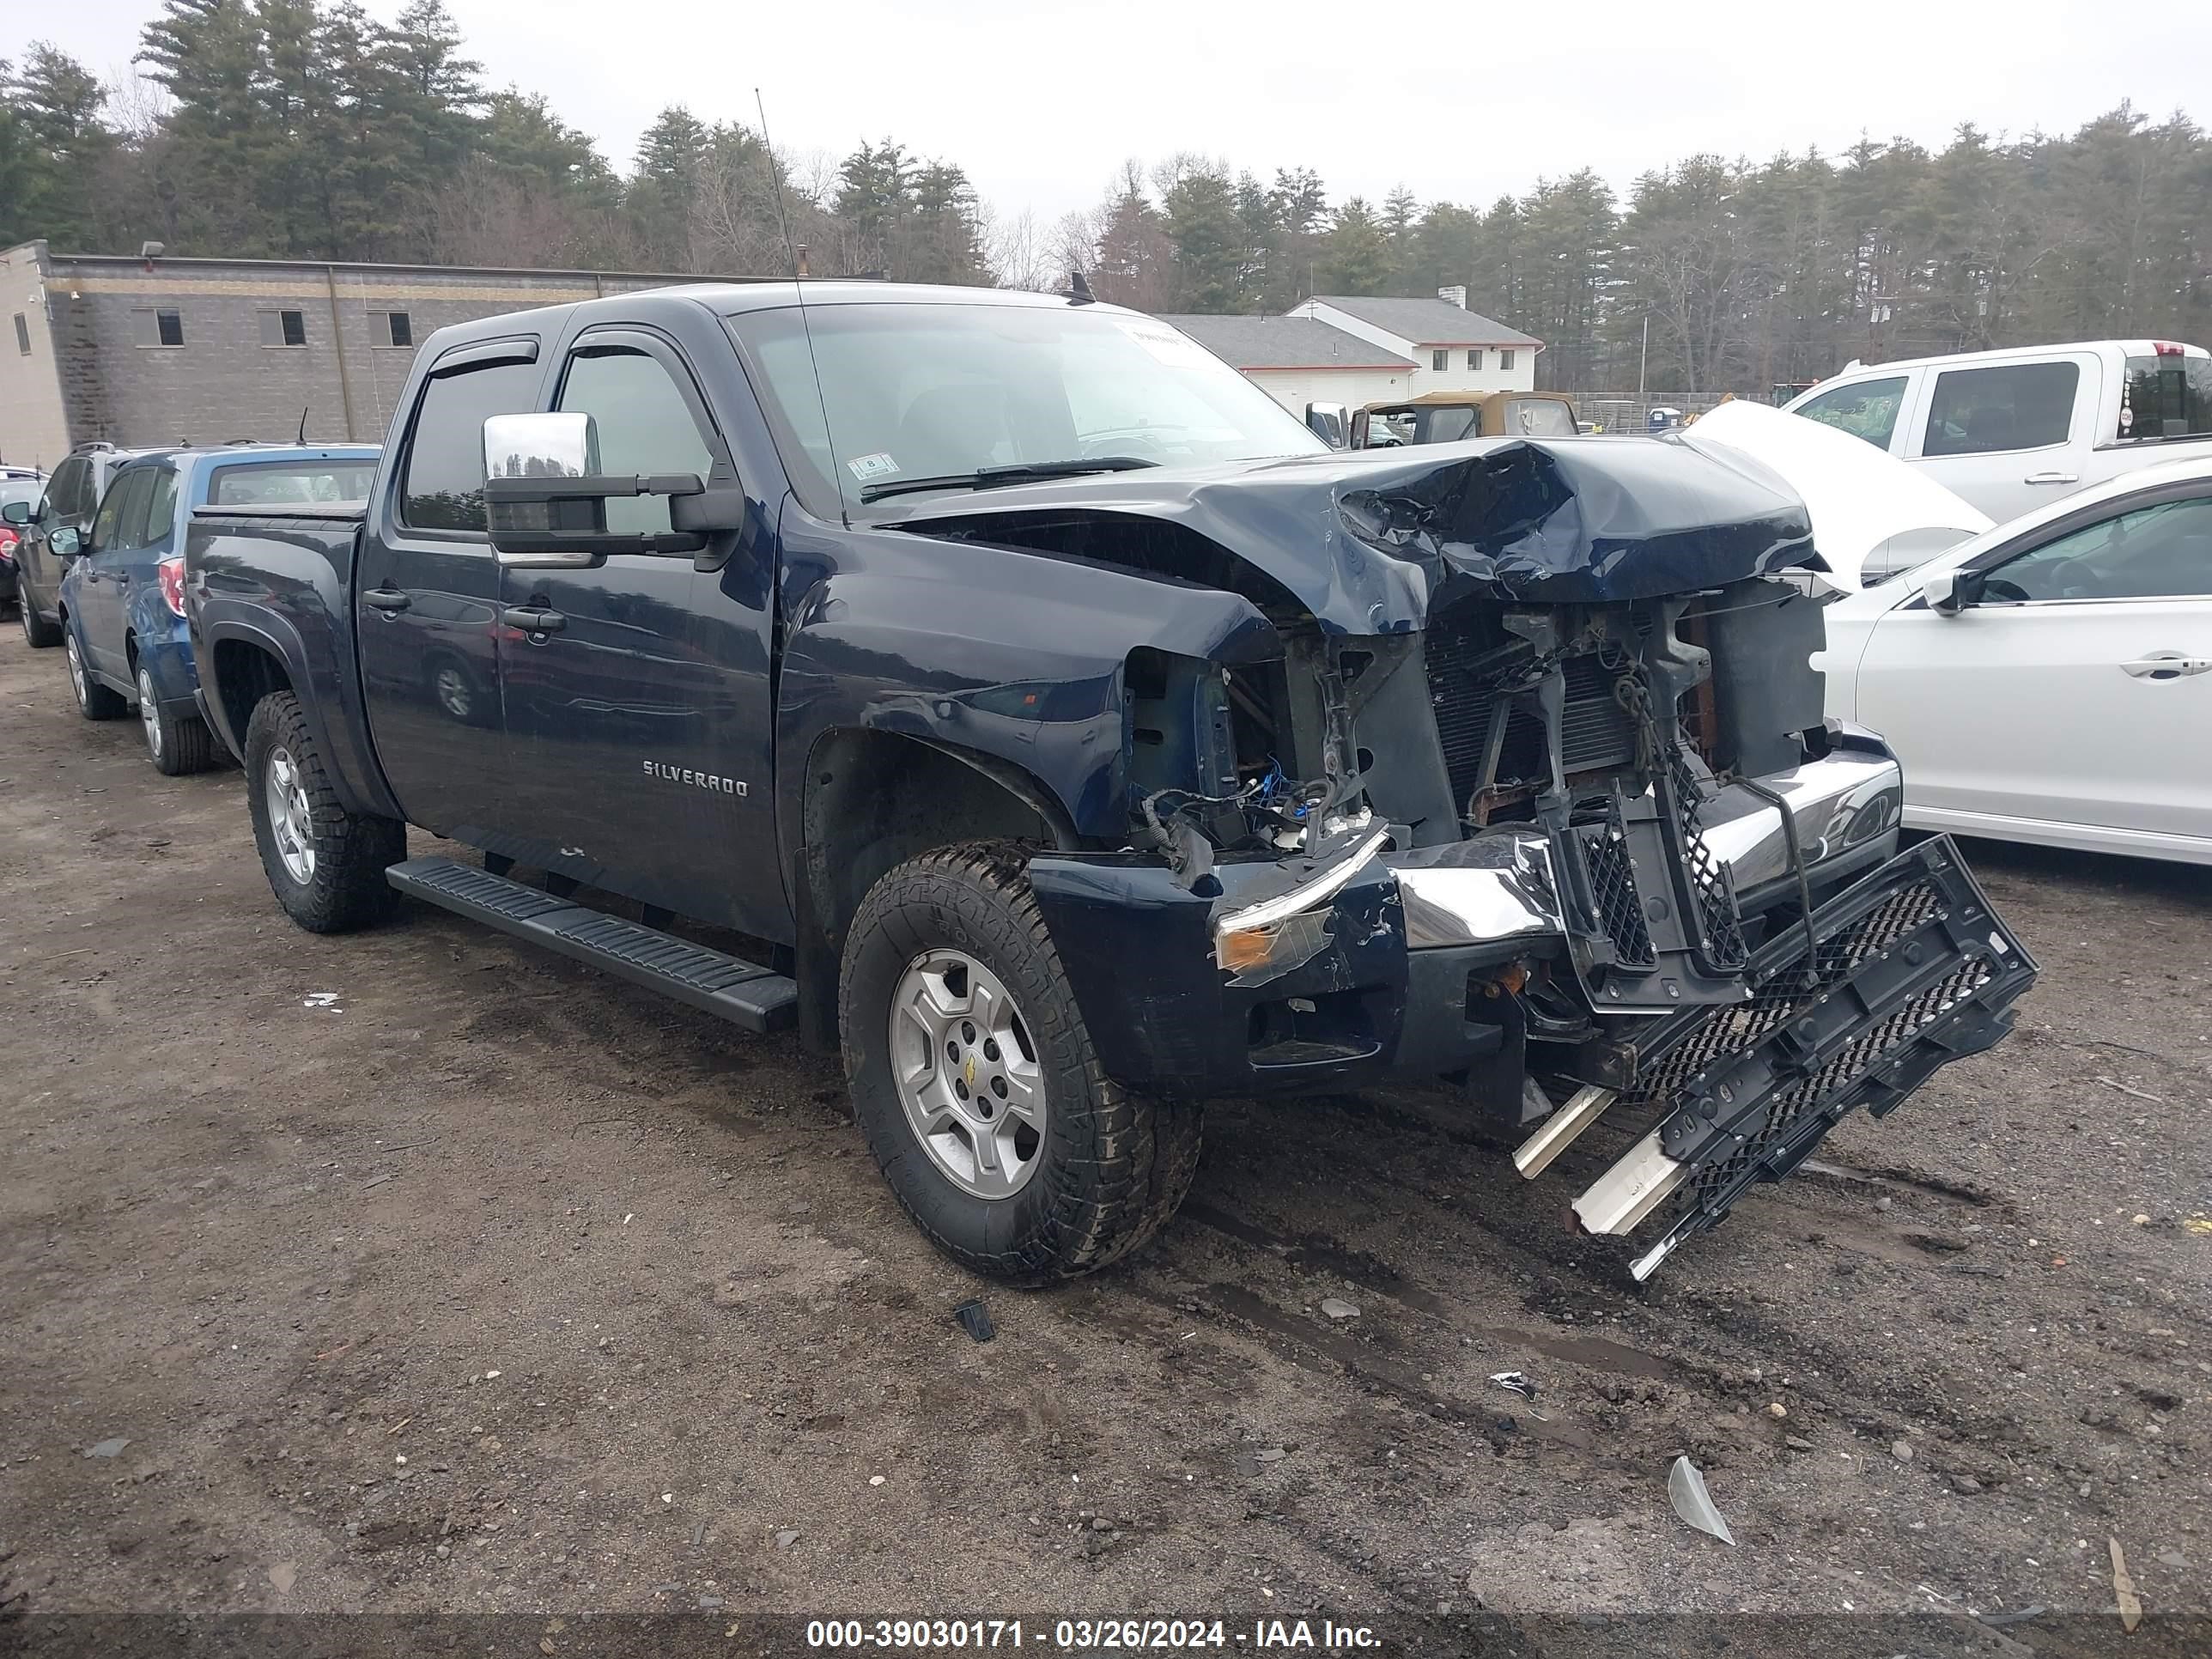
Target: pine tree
{"x":664,"y":187}
{"x":1199,"y":213}
{"x":54,"y":145}
{"x":1356,"y":253}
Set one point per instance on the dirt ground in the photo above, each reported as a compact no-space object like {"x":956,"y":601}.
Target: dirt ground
{"x":417,"y":1271}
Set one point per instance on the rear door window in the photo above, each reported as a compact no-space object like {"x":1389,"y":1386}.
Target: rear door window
{"x":64,"y":491}
{"x":2168,"y":397}
{"x":1981,"y":412}
{"x":125,"y":500}
{"x":154,"y":512}
{"x":442,"y":488}
{"x":1865,"y":409}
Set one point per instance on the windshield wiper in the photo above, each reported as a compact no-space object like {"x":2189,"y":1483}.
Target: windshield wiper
{"x":983,"y":477}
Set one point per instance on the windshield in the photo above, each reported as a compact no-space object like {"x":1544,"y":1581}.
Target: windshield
{"x":947,"y":391}
{"x":2167,"y":397}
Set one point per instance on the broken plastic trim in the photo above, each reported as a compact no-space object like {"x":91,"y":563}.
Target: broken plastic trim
{"x":1912,"y":969}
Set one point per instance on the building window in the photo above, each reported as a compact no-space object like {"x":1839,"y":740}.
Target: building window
{"x":282,"y":328}
{"x":1440,"y":359}
{"x":22,"y":335}
{"x":1474,"y":357}
{"x":391,"y":328}
{"x":152,"y":326}
{"x":1505,"y":357}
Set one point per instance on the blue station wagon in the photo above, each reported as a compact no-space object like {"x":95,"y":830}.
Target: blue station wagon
{"x":121,"y":600}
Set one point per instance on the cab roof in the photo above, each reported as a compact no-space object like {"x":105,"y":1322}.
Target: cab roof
{"x":736,"y":299}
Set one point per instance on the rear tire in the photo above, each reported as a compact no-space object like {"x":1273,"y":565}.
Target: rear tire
{"x":178,"y":745}
{"x":94,"y":701}
{"x":325,"y":864}
{"x":1108,"y":1169}
{"x":39,"y":635}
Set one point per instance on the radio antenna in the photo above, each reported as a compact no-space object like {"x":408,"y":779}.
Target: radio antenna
{"x":799,"y":285}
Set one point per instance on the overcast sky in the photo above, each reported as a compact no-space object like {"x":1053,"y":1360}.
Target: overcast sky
{"x":1457,"y":98}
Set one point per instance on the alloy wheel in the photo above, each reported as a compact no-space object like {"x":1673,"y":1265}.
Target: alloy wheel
{"x":291,"y":824}
{"x":149,"y":714}
{"x":966,"y":1071}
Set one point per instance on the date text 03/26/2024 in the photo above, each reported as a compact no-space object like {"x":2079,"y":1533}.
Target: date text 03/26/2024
{"x":1260,"y":1635}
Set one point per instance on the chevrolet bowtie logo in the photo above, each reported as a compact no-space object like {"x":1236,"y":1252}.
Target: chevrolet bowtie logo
{"x":971,"y":1071}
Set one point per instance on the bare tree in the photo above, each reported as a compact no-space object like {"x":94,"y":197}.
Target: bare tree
{"x":1024,"y":253}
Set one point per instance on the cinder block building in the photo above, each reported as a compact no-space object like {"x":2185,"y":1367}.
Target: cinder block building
{"x":158,"y":351}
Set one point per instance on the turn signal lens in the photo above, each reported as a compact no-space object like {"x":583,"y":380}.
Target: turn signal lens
{"x":1240,"y":953}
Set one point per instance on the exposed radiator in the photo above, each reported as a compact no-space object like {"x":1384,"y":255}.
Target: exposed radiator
{"x":1597,"y":732}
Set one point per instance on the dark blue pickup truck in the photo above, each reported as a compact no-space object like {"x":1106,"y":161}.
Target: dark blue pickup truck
{"x":1075,"y":738}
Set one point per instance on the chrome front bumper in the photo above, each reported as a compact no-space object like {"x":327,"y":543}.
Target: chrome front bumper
{"x":1500,"y":885}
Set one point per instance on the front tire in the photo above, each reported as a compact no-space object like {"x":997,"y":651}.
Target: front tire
{"x":974,"y":1082}
{"x":94,"y":701}
{"x":178,"y":745}
{"x":325,"y":864}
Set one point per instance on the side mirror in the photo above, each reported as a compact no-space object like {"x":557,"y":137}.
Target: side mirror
{"x":16,"y":512}
{"x":1330,"y":423}
{"x":546,"y":500}
{"x":66,"y":543}
{"x":1950,"y":591}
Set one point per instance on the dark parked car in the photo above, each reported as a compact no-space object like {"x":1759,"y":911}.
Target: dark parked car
{"x":71,"y":496}
{"x":20,"y":489}
{"x":1081,"y":739}
{"x":122,"y":601}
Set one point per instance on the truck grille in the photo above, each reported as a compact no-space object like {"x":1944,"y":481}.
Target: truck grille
{"x":1613,"y":884}
{"x":1595,"y":734}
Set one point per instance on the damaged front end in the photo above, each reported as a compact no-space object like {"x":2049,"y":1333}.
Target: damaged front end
{"x":1537,"y":798}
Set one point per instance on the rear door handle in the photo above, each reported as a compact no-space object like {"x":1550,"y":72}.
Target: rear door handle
{"x":2165,"y":665}
{"x":2051,"y":477}
{"x":532,"y":621}
{"x":386,"y":599}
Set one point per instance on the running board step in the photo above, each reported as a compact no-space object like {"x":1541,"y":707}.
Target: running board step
{"x":741,"y":992}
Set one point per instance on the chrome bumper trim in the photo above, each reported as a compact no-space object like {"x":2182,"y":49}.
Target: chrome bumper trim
{"x":1499,"y":885}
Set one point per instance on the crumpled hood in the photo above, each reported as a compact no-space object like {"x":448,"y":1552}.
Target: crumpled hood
{"x":1370,"y":542}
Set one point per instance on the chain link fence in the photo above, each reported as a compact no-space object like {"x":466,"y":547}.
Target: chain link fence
{"x":1616,"y":411}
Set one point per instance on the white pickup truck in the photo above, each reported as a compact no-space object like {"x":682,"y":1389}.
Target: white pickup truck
{"x":2012,"y":430}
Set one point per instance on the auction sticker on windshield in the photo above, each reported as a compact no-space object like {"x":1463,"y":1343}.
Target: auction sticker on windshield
{"x":868,"y":467}
{"x":1176,"y":350}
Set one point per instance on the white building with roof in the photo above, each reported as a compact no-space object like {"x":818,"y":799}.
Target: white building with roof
{"x":1451,"y":348}
{"x":1297,"y":361}
{"x":1342,"y":350}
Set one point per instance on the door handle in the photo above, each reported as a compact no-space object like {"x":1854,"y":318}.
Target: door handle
{"x":2051,"y":478}
{"x":2165,"y":665}
{"x":386,"y":599}
{"x":533,"y":621}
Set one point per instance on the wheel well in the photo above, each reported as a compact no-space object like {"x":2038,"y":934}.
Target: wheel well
{"x":875,"y":799}
{"x":244,"y":674}
{"x":130,"y":651}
